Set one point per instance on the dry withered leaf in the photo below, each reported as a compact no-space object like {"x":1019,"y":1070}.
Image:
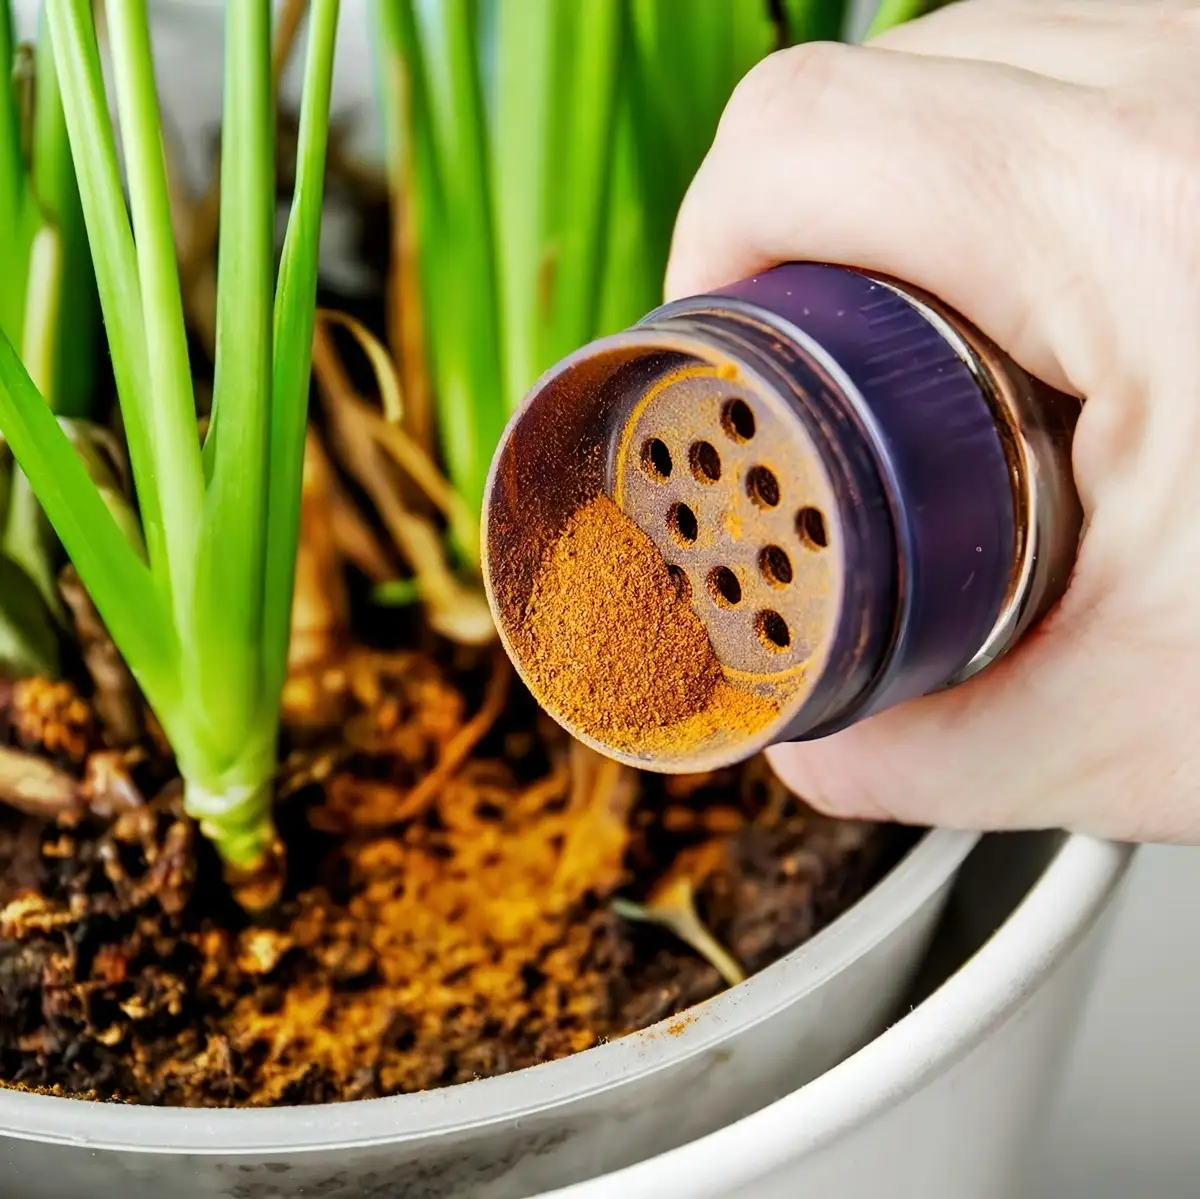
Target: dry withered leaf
{"x":321,"y":603}
{"x":363,"y":441}
{"x":36,"y":787}
{"x":602,"y":795}
{"x":674,"y":908}
{"x":115,"y":696}
{"x":108,"y":787}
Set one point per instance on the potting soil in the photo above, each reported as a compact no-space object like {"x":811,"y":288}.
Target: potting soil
{"x":429,"y":934}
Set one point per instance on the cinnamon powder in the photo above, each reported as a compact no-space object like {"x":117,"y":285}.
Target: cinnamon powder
{"x":613,"y":646}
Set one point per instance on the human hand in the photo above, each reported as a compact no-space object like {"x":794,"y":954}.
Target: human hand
{"x":1036,"y":165}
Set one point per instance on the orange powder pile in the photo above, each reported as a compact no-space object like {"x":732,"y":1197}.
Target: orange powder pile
{"x":613,"y":646}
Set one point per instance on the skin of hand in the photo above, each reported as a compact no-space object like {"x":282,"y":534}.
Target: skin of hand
{"x":1036,"y":164}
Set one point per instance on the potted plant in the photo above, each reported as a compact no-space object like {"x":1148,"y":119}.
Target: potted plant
{"x":286,"y":832}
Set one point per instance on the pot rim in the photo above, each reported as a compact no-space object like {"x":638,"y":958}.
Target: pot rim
{"x":898,"y":896}
{"x":990,"y":989}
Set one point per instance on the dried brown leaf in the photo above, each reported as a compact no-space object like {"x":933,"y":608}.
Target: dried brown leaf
{"x":36,"y":787}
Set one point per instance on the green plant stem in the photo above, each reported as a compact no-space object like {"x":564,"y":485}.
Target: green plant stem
{"x":554,"y":131}
{"x":234,"y":804}
{"x":446,"y":136}
{"x":12,"y":165}
{"x":630,"y":280}
{"x":229,"y":585}
{"x":546,"y":178}
{"x":94,"y":152}
{"x":294,"y":320}
{"x":75,"y":321}
{"x":47,"y":306}
{"x":28,"y":638}
{"x":815,"y":20}
{"x":175,"y":444}
{"x":577,"y":174}
{"x":119,"y":582}
{"x":16,"y":211}
{"x":685,"y":59}
{"x":28,"y":542}
{"x":27,"y":537}
{"x":526,"y":41}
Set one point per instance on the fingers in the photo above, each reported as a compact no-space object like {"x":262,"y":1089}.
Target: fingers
{"x":945,"y":173}
{"x":1056,"y":736}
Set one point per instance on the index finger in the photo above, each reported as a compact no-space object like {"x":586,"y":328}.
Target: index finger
{"x":944,"y":173}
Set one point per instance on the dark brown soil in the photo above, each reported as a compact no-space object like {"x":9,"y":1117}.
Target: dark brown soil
{"x":452,"y":861}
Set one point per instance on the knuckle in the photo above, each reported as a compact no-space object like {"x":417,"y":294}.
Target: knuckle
{"x":776,"y":90}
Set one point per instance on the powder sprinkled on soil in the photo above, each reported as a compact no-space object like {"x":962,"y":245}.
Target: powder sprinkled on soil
{"x":612,"y":643}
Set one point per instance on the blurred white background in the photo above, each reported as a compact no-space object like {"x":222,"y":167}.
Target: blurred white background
{"x":1126,"y":1123}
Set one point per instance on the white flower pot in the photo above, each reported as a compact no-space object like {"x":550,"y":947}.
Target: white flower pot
{"x":944,"y":1105}
{"x":517,"y":1134}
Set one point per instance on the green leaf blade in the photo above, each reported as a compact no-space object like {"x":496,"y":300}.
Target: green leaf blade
{"x":74,"y":321}
{"x":295,"y":315}
{"x":16,"y":212}
{"x":459,"y":265}
{"x":117,"y":579}
{"x":526,"y":36}
{"x":816,"y":20}
{"x":28,"y":640}
{"x":232,"y":547}
{"x":580,"y":164}
{"x":94,"y":152}
{"x":175,"y":440}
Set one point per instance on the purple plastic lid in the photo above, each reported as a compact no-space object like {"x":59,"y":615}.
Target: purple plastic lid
{"x":934,"y":453}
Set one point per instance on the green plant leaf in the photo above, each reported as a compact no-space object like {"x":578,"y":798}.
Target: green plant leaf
{"x":28,"y":639}
{"x":29,"y":542}
{"x":94,"y":152}
{"x":17,"y":215}
{"x":582,"y":139}
{"x":455,"y":218}
{"x":232,"y":546}
{"x":295,"y":316}
{"x":175,"y":440}
{"x":816,"y":20}
{"x":526,"y":37}
{"x":118,"y":581}
{"x":73,"y":323}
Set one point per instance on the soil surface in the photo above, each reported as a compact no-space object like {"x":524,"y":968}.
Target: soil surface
{"x":452,"y":862}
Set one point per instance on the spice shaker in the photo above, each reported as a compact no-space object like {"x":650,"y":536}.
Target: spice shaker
{"x":866,"y":499}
